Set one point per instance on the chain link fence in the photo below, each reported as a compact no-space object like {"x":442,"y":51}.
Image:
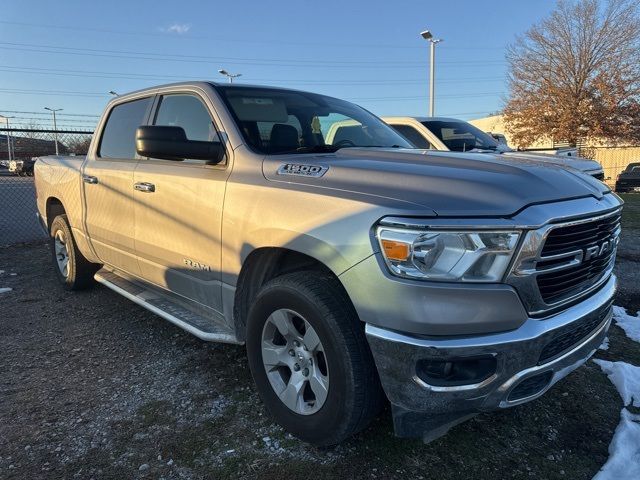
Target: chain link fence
{"x":19,"y":149}
{"x":613,"y":159}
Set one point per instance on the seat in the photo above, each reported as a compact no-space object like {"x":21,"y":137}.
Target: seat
{"x":351,"y":133}
{"x":252,"y":133}
{"x":283,"y":138}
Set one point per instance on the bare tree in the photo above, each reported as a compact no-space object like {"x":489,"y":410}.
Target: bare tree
{"x":576,"y":74}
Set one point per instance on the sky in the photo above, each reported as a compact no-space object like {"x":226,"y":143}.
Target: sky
{"x":69,"y":54}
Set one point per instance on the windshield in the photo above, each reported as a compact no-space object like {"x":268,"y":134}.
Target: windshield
{"x":275,"y":121}
{"x":460,"y":136}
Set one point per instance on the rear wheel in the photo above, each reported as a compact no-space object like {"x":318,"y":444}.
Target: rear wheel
{"x":310,"y":360}
{"x":73,"y":270}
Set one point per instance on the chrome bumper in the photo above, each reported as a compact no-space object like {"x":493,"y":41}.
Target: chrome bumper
{"x":421,"y":409}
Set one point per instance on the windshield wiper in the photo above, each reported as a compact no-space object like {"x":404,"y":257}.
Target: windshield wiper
{"x":335,"y":148}
{"x":318,"y":149}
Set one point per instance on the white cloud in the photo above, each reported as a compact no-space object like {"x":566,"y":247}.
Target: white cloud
{"x":177,"y":28}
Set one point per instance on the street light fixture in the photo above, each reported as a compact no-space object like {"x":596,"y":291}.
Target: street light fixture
{"x":115,"y":94}
{"x":55,"y":125}
{"x":230,"y":76}
{"x":9,"y":149}
{"x":427,"y":35}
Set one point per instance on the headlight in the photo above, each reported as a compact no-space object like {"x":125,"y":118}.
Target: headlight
{"x":448,"y":256}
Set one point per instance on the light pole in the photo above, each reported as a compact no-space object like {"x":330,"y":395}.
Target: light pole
{"x":55,"y":125}
{"x":115,"y":94}
{"x":6,"y":119}
{"x":230,"y":76}
{"x":427,"y":35}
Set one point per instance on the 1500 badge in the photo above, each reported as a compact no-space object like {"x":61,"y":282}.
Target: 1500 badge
{"x":302,"y":170}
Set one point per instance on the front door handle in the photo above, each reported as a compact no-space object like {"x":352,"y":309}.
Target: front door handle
{"x":145,"y":187}
{"x":90,"y":179}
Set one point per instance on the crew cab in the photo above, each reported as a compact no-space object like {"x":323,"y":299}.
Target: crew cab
{"x":450,"y":134}
{"x":354,"y":270}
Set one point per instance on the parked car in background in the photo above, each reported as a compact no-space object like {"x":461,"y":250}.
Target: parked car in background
{"x":450,"y":134}
{"x":22,"y":168}
{"x":629,"y":179}
{"x":350,"y":264}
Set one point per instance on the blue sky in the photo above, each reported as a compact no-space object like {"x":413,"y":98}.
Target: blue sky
{"x":68,"y":54}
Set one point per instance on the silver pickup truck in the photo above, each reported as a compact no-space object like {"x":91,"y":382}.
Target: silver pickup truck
{"x":451,"y":283}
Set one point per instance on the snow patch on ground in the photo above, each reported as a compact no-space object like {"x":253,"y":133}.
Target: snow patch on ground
{"x":626,"y":379}
{"x":624,"y":450}
{"x":5,"y":289}
{"x":605,"y":344}
{"x":629,"y":323}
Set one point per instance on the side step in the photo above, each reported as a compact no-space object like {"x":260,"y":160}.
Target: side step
{"x":155,"y":301}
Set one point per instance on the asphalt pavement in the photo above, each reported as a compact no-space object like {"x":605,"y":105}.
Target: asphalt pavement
{"x":18,"y":222}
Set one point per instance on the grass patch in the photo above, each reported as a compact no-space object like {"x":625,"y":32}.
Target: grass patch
{"x":157,"y":412}
{"x":631,"y":211}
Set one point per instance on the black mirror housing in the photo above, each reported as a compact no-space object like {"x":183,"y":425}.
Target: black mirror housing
{"x":171,"y":143}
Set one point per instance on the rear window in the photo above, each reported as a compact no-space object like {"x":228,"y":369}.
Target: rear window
{"x":119,"y":135}
{"x":413,"y":135}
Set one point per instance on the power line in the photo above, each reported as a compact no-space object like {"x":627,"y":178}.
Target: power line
{"x":142,"y":76}
{"x":209,"y":59}
{"x":477,"y":63}
{"x":48,"y":115}
{"x":227,"y":39}
{"x":85,"y":94}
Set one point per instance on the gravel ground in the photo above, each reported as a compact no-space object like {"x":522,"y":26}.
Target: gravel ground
{"x":93,"y":386}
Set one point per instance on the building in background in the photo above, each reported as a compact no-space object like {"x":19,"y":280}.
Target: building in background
{"x":613,"y":158}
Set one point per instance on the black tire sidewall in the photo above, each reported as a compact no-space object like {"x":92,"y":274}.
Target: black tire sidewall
{"x":60,"y":224}
{"x":319,"y":426}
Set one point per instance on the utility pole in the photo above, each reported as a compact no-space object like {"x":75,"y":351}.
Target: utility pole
{"x":9,"y":149}
{"x":427,"y":35}
{"x":230,"y":76}
{"x":55,"y":125}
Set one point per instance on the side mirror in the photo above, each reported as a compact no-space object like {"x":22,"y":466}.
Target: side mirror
{"x":171,"y":143}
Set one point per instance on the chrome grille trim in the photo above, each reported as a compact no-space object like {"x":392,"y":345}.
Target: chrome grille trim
{"x":530,"y":264}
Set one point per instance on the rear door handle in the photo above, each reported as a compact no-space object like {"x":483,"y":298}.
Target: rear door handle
{"x":145,"y":187}
{"x":90,"y":179}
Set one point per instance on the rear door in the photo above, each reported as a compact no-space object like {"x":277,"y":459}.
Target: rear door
{"x":108,"y":186}
{"x":178,"y":208}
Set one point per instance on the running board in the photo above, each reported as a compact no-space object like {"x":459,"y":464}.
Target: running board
{"x":153,"y":300}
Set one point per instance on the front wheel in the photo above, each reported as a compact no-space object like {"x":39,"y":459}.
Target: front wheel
{"x":73,"y":270}
{"x":310,"y":360}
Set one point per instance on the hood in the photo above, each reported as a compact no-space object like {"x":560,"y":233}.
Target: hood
{"x":578,"y":163}
{"x":447,"y":183}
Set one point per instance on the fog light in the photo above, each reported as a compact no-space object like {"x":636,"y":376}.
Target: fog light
{"x":455,"y":372}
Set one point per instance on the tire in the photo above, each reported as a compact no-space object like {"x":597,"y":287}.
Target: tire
{"x":77,"y":272}
{"x":353,"y":394}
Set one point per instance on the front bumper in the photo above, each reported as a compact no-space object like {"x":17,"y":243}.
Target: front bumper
{"x":529,"y":360}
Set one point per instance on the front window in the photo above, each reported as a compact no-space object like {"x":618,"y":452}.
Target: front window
{"x":275,"y":121}
{"x":460,"y":136}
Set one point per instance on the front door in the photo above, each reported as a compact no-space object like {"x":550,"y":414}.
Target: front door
{"x":178,"y":209}
{"x":108,"y":186}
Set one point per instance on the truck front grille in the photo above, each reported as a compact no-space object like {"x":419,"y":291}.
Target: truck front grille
{"x":560,"y":263}
{"x":588,"y":250}
{"x":571,"y":335}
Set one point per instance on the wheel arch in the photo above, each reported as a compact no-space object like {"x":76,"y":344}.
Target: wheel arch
{"x":264,"y":264}
{"x":53,"y":208}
